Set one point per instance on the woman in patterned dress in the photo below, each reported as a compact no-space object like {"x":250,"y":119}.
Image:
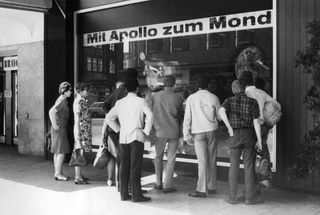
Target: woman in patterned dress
{"x":82,"y":127}
{"x":59,"y":117}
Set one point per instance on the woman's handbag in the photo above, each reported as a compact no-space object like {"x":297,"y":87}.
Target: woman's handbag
{"x":101,"y":158}
{"x":78,"y":158}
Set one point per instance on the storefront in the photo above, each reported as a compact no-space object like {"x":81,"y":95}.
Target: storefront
{"x":213,"y":38}
{"x":22,"y":75}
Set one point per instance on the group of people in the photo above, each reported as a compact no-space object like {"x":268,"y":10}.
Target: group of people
{"x":130,"y":119}
{"x":59,"y":116}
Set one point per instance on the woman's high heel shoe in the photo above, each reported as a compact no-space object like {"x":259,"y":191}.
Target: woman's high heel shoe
{"x":80,"y":181}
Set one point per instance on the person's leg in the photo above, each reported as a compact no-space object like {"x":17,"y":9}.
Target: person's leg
{"x":55,"y":164}
{"x":249,"y":139}
{"x":59,"y":162}
{"x":158,"y":160}
{"x":110,"y":170}
{"x":136,"y":154}
{"x":200,"y":145}
{"x":124,"y":171}
{"x":212,"y":161}
{"x":235,"y":154}
{"x":171,"y":159}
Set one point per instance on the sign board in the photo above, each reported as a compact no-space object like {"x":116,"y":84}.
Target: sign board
{"x":231,"y":22}
{"x":10,"y":63}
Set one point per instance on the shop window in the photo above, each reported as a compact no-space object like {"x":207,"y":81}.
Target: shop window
{"x":217,"y":40}
{"x":100,"y":65}
{"x":246,"y":38}
{"x":89,"y":65}
{"x":94,"y":64}
{"x":179,"y":44}
{"x":154,"y":46}
{"x":184,"y":57}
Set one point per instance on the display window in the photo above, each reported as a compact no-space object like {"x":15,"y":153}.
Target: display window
{"x":220,"y":46}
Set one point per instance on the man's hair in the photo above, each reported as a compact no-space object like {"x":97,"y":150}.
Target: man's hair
{"x":169,"y":81}
{"x":246,"y":78}
{"x":260,"y":83}
{"x":237,"y":87}
{"x":203,"y":81}
{"x":131,"y":73}
{"x":82,"y":86}
{"x":131,"y":85}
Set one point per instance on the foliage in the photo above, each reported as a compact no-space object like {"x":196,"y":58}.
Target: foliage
{"x":309,"y":149}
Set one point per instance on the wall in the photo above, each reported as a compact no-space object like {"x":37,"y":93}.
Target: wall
{"x":30,"y":99}
{"x":293,"y":16}
{"x":40,"y":5}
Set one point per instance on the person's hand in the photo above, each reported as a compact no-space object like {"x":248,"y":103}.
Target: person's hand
{"x":56,"y":127}
{"x":190,"y":141}
{"x":259,"y":144}
{"x":230,"y":131}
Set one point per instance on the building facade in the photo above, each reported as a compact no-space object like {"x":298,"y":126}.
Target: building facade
{"x":95,"y":41}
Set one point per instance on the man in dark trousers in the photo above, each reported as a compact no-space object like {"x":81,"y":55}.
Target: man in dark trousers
{"x":133,"y":118}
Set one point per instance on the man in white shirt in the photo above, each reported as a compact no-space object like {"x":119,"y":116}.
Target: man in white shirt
{"x":199,"y":126}
{"x":261,"y":97}
{"x":133,"y":118}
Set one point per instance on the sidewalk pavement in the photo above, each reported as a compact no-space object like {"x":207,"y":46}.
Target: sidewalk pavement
{"x":27,"y":187}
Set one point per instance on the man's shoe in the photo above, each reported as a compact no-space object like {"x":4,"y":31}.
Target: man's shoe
{"x":158,"y":187}
{"x":144,"y":191}
{"x":128,"y":197}
{"x":141,"y":199}
{"x":254,"y":201}
{"x":169,"y":190}
{"x":241,"y":198}
{"x":198,"y":194}
{"x":231,"y":200}
{"x":212,"y":191}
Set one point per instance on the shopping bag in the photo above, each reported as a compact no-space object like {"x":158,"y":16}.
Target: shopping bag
{"x":263,"y":169}
{"x":101,"y":158}
{"x":78,"y":158}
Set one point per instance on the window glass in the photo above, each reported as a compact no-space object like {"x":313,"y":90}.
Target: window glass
{"x":219,"y":55}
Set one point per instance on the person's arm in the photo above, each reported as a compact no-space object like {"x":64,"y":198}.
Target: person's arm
{"x":104,"y":126}
{"x":217,"y":109}
{"x":187,"y":124}
{"x":257,"y":129}
{"x":255,"y":111}
{"x":107,"y":103}
{"x":76,"y":127}
{"x":111,"y":119}
{"x":224,"y":117}
{"x":52,"y":116}
{"x":148,"y":120}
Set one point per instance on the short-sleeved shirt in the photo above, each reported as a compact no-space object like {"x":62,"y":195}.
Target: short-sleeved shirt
{"x":201,"y":113}
{"x":241,"y":111}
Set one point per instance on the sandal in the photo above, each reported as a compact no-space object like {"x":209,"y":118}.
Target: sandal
{"x":80,"y":181}
{"x":61,"y":178}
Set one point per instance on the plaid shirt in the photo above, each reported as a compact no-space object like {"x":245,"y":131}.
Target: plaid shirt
{"x":241,"y":111}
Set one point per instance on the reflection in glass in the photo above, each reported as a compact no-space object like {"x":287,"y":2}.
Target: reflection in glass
{"x":184,"y":57}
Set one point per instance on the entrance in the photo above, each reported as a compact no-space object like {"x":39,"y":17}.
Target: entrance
{"x":2,"y":109}
{"x":9,"y":101}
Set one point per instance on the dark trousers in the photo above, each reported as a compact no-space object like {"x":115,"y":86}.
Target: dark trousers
{"x":243,"y":142}
{"x":131,"y":156}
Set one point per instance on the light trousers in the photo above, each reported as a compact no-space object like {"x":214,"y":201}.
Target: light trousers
{"x":206,"y":150}
{"x":160,"y":146}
